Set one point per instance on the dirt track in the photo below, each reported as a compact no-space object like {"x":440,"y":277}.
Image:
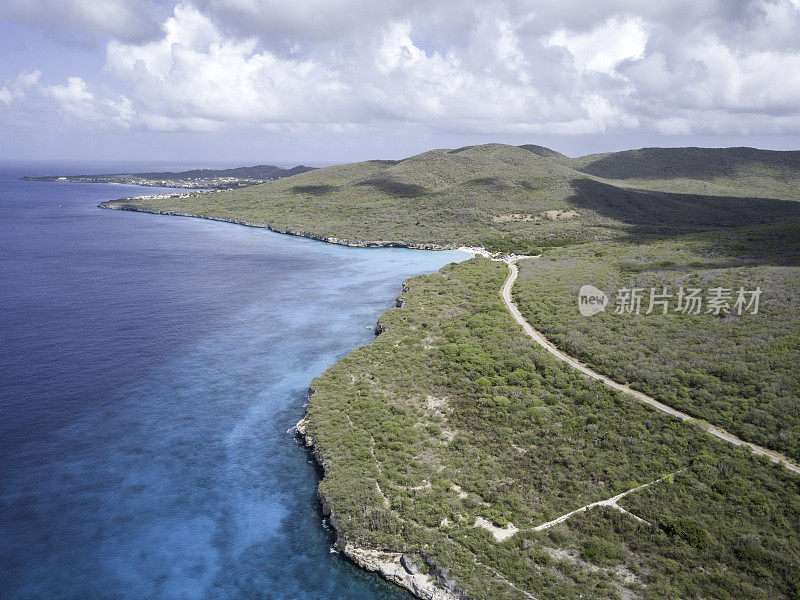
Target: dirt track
{"x":505,"y":293}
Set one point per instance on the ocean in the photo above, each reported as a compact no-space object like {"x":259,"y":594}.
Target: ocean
{"x":151,"y":369}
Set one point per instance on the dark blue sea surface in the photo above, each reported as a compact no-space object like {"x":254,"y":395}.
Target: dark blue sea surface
{"x":150,"y":368}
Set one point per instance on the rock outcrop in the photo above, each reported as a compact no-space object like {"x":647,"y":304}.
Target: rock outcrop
{"x":396,"y":567}
{"x":411,"y":567}
{"x":390,"y":566}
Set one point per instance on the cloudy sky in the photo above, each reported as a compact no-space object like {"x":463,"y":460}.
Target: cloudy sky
{"x":322,"y":81}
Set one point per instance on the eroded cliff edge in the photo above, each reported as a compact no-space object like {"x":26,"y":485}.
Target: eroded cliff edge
{"x":416,"y":573}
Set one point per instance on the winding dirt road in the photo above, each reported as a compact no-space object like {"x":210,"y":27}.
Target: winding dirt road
{"x":544,"y":343}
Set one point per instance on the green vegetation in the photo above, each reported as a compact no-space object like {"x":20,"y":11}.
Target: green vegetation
{"x":495,"y":195}
{"x":452,"y":413}
{"x":721,"y":532}
{"x":708,"y":171}
{"x":737,"y":372}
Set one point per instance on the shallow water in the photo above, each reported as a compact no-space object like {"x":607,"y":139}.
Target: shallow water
{"x":151,"y":367}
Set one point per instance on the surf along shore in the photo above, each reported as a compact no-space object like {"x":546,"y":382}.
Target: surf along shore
{"x":429,"y":581}
{"x":394,"y":567}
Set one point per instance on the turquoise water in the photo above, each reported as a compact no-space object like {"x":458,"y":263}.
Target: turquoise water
{"x":151,"y":369}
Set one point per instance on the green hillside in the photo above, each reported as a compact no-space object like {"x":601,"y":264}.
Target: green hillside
{"x":455,"y":441}
{"x":508,"y":197}
{"x":714,"y":171}
{"x":736,"y":371}
{"x":453,"y":415}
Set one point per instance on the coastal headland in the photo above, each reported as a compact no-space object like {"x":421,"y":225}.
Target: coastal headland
{"x":204,"y":179}
{"x":465,"y":458}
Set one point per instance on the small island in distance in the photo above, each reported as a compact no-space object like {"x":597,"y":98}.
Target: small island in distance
{"x":216,"y":179}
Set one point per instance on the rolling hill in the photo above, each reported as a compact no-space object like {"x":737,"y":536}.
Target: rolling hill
{"x":516,"y":197}
{"x":462,"y":459}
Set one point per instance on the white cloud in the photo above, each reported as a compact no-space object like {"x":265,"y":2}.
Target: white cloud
{"x":397,"y":50}
{"x":603,"y":48}
{"x":196,"y":76}
{"x":28,"y":101}
{"x":25,"y":80}
{"x":279,"y":23}
{"x":340,"y":65}
{"x":124,"y":19}
{"x":15,"y":90}
{"x":508,"y":50}
{"x":74,"y":92}
{"x":673,"y":126}
{"x":750,"y":81}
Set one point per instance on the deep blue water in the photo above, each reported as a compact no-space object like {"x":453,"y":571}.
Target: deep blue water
{"x":150,"y":368}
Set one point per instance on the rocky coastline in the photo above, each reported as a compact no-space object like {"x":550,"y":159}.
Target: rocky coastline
{"x":122,"y":205}
{"x":417,"y":574}
{"x":401,"y":569}
{"x":404,"y":570}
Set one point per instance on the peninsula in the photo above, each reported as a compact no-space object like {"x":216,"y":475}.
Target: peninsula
{"x":492,"y":442}
{"x":210,"y":179}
